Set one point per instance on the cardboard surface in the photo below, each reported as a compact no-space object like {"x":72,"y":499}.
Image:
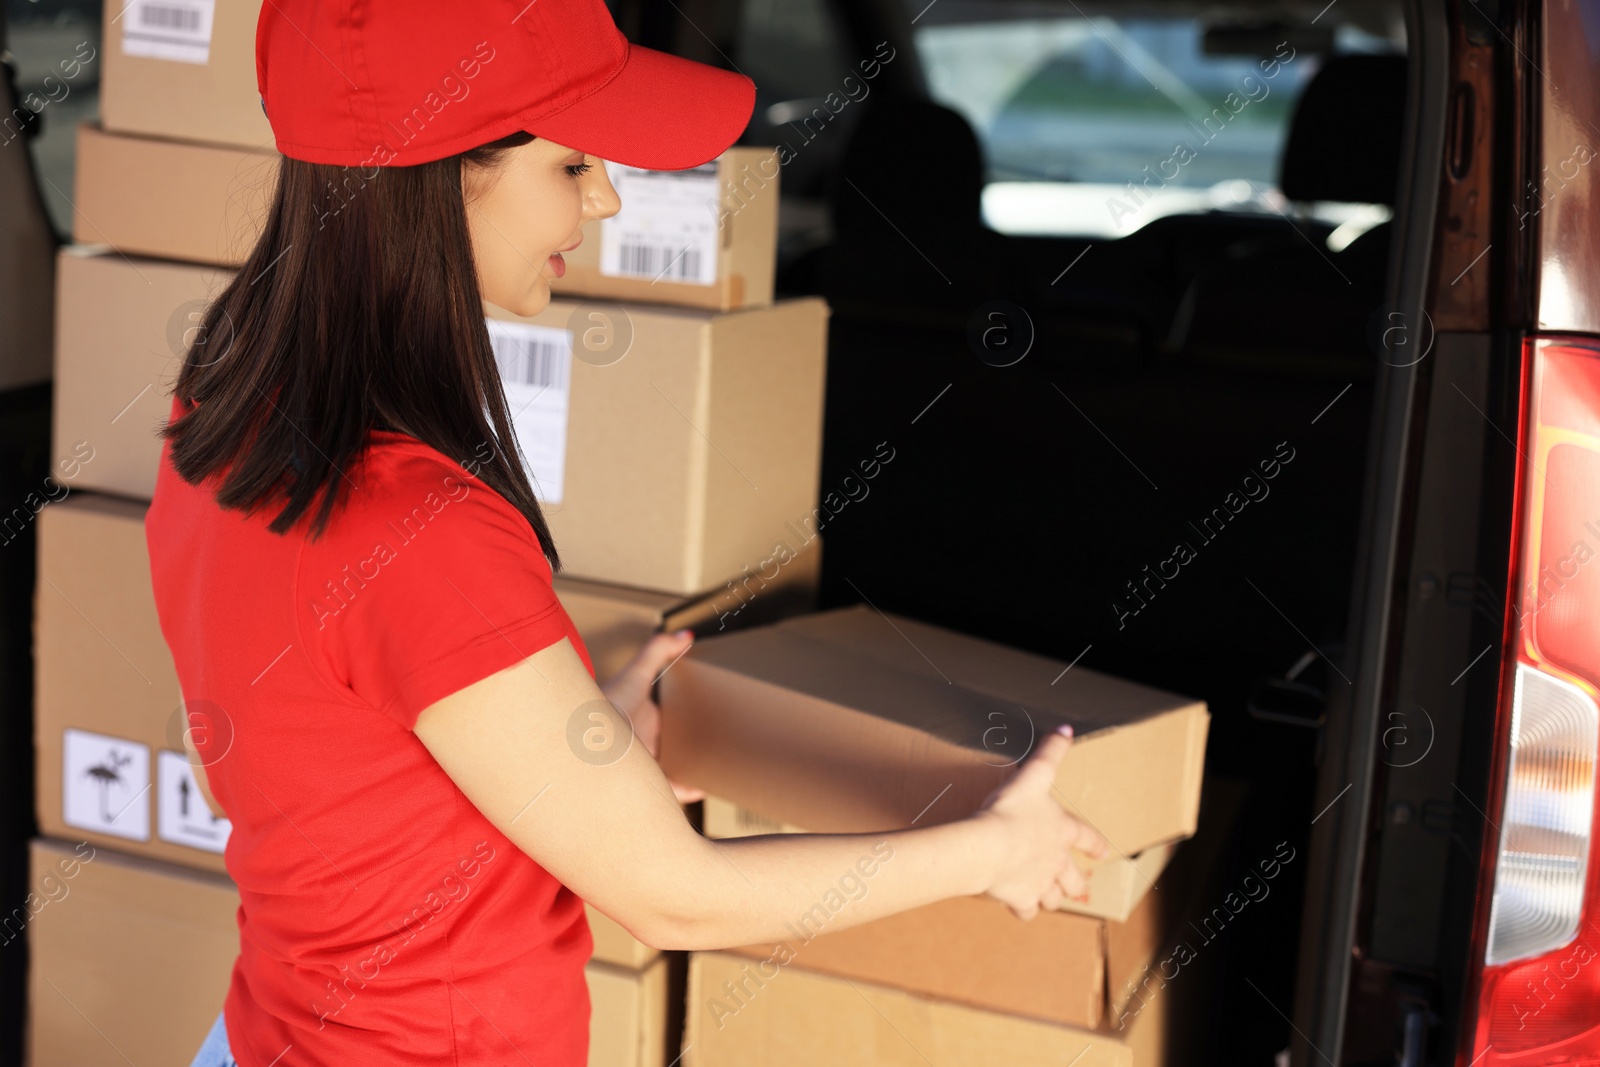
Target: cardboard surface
{"x":120,"y":335}
{"x":1061,"y":967}
{"x":723,"y":818}
{"x":691,"y":461}
{"x":693,"y":458}
{"x":747,"y":179}
{"x":103,"y":669}
{"x":131,"y":959}
{"x":131,"y":965}
{"x":1197,"y":881}
{"x":746,"y":1011}
{"x":614,"y":945}
{"x":1116,"y":884}
{"x":628,"y":1016}
{"x":854,"y":721}
{"x":738,"y":1016}
{"x":215,"y":101}
{"x":616,"y":620}
{"x":207,"y":203}
{"x":170,"y":199}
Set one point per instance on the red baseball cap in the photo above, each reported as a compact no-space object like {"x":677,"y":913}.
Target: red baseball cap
{"x":400,"y":82}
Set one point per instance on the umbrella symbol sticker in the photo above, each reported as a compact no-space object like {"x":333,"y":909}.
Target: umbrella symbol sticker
{"x":105,"y":775}
{"x":103,"y":778}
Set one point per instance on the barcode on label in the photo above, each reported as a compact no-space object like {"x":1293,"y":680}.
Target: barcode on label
{"x":168,"y":29}
{"x":161,"y":16}
{"x":535,"y":364}
{"x":532,"y":360}
{"x":669,"y":228}
{"x":665,"y":261}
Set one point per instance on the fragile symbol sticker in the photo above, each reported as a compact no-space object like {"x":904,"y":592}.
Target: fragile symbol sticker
{"x":168,"y":29}
{"x":105,"y":782}
{"x":182,"y":814}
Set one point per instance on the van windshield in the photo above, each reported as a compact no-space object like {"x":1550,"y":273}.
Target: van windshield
{"x":1071,"y":110}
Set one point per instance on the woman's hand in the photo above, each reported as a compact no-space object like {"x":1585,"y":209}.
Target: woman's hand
{"x":1037,"y":871}
{"x":630,"y":692}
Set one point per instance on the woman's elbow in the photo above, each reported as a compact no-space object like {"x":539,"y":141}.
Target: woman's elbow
{"x":668,"y":932}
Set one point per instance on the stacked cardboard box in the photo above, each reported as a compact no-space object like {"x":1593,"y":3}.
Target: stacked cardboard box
{"x":101,"y":924}
{"x":855,"y":721}
{"x":107,"y":696}
{"x":965,"y":982}
{"x":674,"y":437}
{"x":696,"y":239}
{"x":670,"y":412}
{"x":688,"y":463}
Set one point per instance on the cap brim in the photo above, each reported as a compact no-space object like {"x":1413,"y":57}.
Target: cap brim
{"x":660,"y":112}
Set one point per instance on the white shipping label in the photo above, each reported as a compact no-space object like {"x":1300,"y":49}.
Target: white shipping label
{"x":182,"y":814}
{"x":668,"y":228}
{"x":105,"y":784}
{"x":168,"y":29}
{"x":536,"y":370}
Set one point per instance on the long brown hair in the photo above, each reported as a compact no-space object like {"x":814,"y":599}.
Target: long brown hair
{"x":359,"y":309}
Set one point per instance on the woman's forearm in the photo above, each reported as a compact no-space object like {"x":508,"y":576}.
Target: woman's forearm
{"x":611,"y":831}
{"x":777,"y":887}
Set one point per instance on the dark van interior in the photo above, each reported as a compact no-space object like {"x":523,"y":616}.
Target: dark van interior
{"x":1068,"y":414}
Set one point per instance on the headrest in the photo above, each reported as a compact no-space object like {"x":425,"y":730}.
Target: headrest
{"x":1344,"y":139}
{"x":916,"y":162}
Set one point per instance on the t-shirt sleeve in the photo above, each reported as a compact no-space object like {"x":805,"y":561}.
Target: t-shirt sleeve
{"x":427,"y":582}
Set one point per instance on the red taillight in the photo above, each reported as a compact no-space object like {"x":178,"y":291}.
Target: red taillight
{"x":1538,"y":994}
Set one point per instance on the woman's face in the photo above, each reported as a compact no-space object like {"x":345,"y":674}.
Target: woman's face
{"x":525,"y":211}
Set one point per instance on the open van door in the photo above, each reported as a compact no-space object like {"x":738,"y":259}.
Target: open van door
{"x":1453,"y":907}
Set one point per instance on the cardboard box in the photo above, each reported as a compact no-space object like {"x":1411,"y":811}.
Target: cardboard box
{"x":207,"y":203}
{"x":109,"y":723}
{"x":108,"y":696}
{"x":170,"y":199}
{"x":705,"y":238}
{"x":739,"y":1017}
{"x":628,"y":1016}
{"x":686,"y":459}
{"x":854,"y":721}
{"x":121,"y":328}
{"x":616,"y":621}
{"x":1116,"y":884}
{"x":1059,"y":967}
{"x":129,"y":961}
{"x":614,"y":945}
{"x":1158,"y":970}
{"x":101,"y":934}
{"x":693,"y":439}
{"x":195,"y":81}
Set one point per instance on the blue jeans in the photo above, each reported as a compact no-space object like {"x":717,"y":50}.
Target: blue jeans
{"x":214,"y":1051}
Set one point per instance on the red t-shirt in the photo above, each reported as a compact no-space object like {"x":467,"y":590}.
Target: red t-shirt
{"x":382,"y":918}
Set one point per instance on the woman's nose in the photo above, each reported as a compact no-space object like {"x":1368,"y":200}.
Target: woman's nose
{"x":600,"y":199}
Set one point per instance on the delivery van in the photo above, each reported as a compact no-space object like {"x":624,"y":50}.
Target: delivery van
{"x":1245,"y":350}
{"x":1240,"y":350}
